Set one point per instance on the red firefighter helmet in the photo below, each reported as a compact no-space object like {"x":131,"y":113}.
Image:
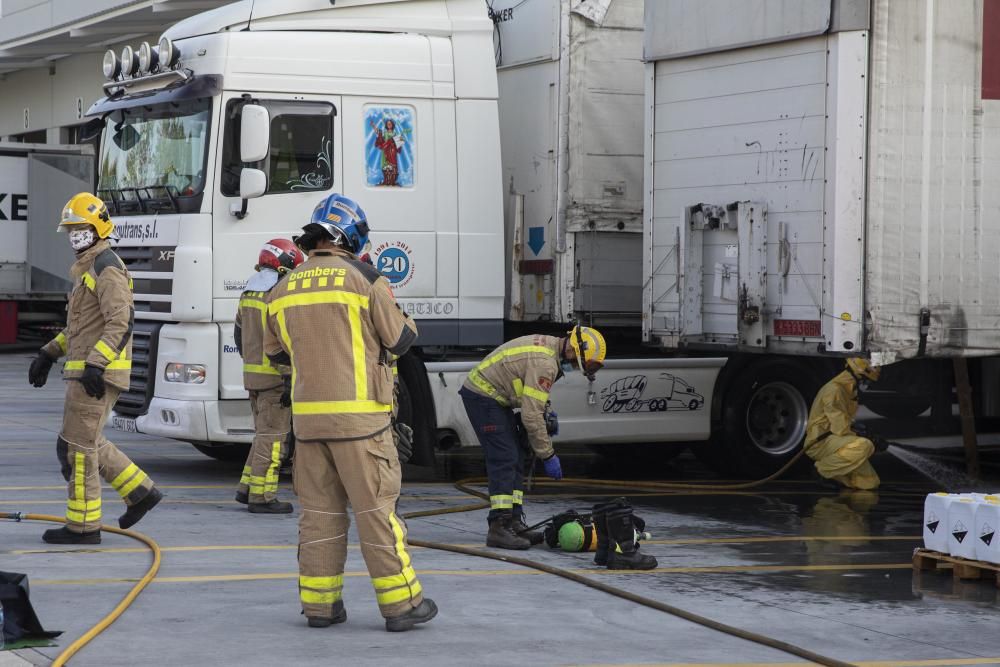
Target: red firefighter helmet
{"x":281,"y":255}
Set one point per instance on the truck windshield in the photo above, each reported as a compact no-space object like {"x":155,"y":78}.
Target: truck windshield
{"x":153,"y":157}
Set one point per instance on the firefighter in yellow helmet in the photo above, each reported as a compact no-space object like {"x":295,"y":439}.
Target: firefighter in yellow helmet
{"x":98,"y":343}
{"x":335,"y":322}
{"x":839,"y":452}
{"x":520,"y":374}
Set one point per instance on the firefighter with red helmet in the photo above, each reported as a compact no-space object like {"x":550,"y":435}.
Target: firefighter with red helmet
{"x":267,"y":382}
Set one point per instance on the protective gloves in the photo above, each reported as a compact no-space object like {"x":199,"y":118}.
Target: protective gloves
{"x":881,"y":444}
{"x":551,"y":421}
{"x":286,"y":396}
{"x":93,"y":381}
{"x":38,"y":374}
{"x":402,"y":434}
{"x":553,"y":468}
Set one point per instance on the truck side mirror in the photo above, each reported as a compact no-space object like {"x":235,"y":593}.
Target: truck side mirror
{"x":253,"y":184}
{"x":255,"y":133}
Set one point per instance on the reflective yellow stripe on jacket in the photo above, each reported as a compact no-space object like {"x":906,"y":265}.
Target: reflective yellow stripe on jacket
{"x":476,"y":378}
{"x":355,"y":303}
{"x":264,"y":367}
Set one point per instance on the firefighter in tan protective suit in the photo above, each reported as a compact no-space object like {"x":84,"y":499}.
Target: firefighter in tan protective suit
{"x":267,"y":383}
{"x":98,"y":343}
{"x":335,"y":321}
{"x":840,"y":453}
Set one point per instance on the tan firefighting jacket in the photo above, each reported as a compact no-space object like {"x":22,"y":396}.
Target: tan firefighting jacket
{"x":833,"y":409}
{"x":251,"y":321}
{"x":99,"y":318}
{"x":335,"y":321}
{"x":520,"y":373}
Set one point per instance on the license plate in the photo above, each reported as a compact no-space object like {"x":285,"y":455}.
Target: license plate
{"x":126,"y":424}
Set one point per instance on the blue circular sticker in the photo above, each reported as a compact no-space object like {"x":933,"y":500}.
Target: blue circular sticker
{"x":394,"y":264}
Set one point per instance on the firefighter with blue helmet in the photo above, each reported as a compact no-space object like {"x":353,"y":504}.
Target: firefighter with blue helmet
{"x":335,"y":321}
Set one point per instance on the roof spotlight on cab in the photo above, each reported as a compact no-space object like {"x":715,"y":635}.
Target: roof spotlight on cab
{"x":149,"y":59}
{"x":130,"y":61}
{"x":169,"y":53}
{"x":112,"y":65}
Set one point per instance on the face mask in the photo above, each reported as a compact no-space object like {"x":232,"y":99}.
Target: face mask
{"x":863,"y":384}
{"x":567,"y":366}
{"x":81,"y":239}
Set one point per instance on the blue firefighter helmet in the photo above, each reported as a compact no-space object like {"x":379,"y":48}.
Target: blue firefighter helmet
{"x":340,"y":218}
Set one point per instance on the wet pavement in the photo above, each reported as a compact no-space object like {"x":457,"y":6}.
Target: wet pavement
{"x":826,"y":571}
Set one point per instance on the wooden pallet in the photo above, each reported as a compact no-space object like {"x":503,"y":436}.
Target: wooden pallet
{"x":961,"y":568}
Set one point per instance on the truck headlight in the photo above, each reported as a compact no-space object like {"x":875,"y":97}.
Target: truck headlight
{"x":184,"y":373}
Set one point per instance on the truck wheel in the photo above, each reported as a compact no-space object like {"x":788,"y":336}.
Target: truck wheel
{"x":236,"y":451}
{"x":416,"y":408}
{"x":765,"y":410}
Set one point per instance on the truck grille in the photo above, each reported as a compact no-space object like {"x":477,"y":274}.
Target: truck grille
{"x":152,"y":270}
{"x":135,"y":401}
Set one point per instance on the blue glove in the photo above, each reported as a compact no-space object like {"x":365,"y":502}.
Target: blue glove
{"x":553,"y":468}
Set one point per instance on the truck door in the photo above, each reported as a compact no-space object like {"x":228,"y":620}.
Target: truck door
{"x":302,"y":167}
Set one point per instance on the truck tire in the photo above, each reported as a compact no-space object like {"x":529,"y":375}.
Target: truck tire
{"x":765,"y":409}
{"x":416,"y":408}
{"x":236,"y":451}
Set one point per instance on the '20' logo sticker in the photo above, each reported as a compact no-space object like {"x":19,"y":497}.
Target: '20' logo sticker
{"x":393,"y":260}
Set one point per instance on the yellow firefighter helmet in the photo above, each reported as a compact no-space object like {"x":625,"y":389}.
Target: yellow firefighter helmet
{"x":86,"y":209}
{"x":590,"y":348}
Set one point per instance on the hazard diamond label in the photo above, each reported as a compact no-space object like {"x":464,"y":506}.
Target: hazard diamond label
{"x":986,"y":534}
{"x":959,"y":531}
{"x":932,"y":522}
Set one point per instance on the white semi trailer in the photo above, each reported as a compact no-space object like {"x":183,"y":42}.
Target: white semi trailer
{"x":820,"y":182}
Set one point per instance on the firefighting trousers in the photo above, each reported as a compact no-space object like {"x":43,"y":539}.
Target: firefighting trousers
{"x":272,"y":423}
{"x":365,"y":474}
{"x":496,"y":428}
{"x":844,"y":459}
{"x":86,"y":457}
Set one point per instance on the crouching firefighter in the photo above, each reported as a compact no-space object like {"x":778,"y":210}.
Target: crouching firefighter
{"x":270,"y":403}
{"x":98,"y":342}
{"x":520,"y":374}
{"x":840,"y":453}
{"x":335,"y":321}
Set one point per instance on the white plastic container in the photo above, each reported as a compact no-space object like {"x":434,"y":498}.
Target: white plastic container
{"x":961,"y":526}
{"x":936,"y":520}
{"x":987,"y":521}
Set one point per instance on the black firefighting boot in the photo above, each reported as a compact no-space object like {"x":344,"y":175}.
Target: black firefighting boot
{"x":422,"y":613}
{"x":243,"y":498}
{"x":520,"y":528}
{"x":502,"y":535}
{"x":273,"y":507}
{"x":599,"y":513}
{"x":623,"y":551}
{"x":339,"y":616}
{"x":66,"y":536}
{"x":134,"y":513}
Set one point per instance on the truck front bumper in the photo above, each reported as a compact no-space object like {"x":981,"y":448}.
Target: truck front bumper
{"x":199,"y":421}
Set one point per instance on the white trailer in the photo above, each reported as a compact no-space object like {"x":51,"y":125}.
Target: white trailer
{"x":35,"y":181}
{"x":819,"y":184}
{"x":248,"y":115}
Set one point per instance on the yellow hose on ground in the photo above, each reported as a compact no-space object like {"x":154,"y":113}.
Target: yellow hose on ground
{"x":466,"y":486}
{"x":103,"y":624}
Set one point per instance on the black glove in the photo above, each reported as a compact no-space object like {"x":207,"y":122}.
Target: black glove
{"x":38,"y":374}
{"x":881,"y":444}
{"x":551,"y":420}
{"x":286,"y":396}
{"x":402,"y":435}
{"x":93,"y":381}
